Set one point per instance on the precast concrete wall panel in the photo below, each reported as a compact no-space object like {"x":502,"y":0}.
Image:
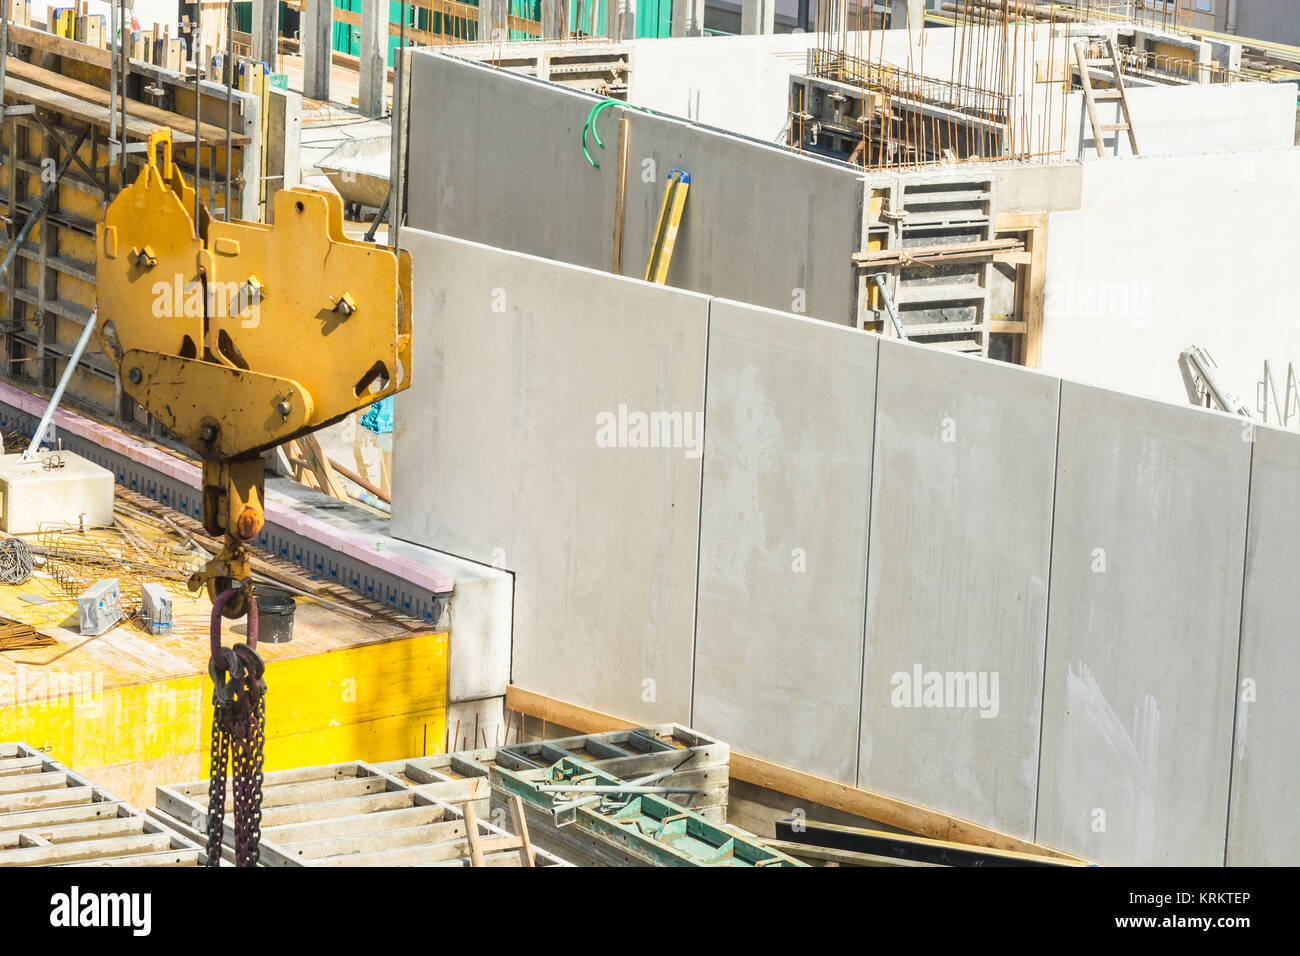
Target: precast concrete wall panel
{"x":1144,"y":622}
{"x":961,"y":518}
{"x":497,"y":158}
{"x":783,"y":535}
{"x":1263,"y":826}
{"x":553,"y":428}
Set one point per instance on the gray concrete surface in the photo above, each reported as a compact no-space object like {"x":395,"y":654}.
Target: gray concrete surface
{"x":961,"y":532}
{"x":1147,"y":555}
{"x":498,"y":458}
{"x":783,"y":530}
{"x":761,"y":224}
{"x":1263,"y":828}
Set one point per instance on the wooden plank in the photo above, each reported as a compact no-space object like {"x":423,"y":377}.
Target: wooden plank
{"x":23,"y":91}
{"x":825,"y":856}
{"x":293,"y":833}
{"x":208,"y":133}
{"x":74,"y":832}
{"x":1006,"y":326}
{"x":764,"y":773}
{"x":406,"y":856}
{"x":76,"y":813}
{"x":332,"y":847}
{"x":93,"y":849}
{"x":59,"y":46}
{"x":12,"y":766}
{"x":952,"y":252}
{"x":32,"y":781}
{"x":174,"y":857}
{"x":471,"y":836}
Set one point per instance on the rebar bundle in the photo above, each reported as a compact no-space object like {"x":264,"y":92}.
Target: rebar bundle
{"x":15,"y":561}
{"x":77,"y":559}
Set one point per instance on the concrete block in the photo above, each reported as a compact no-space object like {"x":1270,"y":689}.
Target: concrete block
{"x":1148,"y":551}
{"x":155,"y":608}
{"x":1263,"y":828}
{"x":783,"y":532}
{"x":99,"y":607}
{"x":524,"y":372}
{"x":961,"y":535}
{"x":472,"y":724}
{"x":44,"y":491}
{"x":479,"y":615}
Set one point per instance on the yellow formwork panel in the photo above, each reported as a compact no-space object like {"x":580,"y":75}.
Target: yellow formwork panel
{"x":380,"y":701}
{"x":133,"y":710}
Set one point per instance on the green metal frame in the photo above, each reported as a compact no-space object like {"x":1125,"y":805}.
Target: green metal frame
{"x":649,"y":827}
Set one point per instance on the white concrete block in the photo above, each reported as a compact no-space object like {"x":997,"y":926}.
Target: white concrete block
{"x":99,"y":607}
{"x":40,"y":491}
{"x":156,"y":608}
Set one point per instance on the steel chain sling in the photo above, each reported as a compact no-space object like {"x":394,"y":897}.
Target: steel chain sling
{"x":238,"y":737}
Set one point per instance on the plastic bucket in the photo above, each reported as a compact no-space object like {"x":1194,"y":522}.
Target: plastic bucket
{"x":274,"y":616}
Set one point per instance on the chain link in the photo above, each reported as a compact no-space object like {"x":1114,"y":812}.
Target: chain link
{"x":238,"y":738}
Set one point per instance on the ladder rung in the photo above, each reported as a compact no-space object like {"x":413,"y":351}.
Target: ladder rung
{"x":1103,"y":62}
{"x":942,"y":328}
{"x":1107,"y":94}
{"x":961,"y":345}
{"x":934,"y":294}
{"x":1113,"y":127}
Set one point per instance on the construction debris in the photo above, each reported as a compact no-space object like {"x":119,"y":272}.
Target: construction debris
{"x":99,"y":607}
{"x":155,"y":608}
{"x":15,"y":636}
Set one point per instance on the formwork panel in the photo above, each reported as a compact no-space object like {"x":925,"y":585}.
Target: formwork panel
{"x":507,"y":457}
{"x":783,"y":532}
{"x":961,"y":519}
{"x":1263,"y":828}
{"x":52,"y":816}
{"x":1148,"y":550}
{"x":348,"y":814}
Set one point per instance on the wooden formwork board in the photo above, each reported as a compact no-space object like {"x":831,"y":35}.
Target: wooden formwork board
{"x":347,"y":814}
{"x":52,"y":816}
{"x":696,"y":761}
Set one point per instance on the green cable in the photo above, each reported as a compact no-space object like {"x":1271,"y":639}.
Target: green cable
{"x":590,"y":125}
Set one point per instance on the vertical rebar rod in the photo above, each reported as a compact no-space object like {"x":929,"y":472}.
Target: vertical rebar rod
{"x":115,"y":42}
{"x":230,"y":93}
{"x":196,"y":41}
{"x":396,"y":141}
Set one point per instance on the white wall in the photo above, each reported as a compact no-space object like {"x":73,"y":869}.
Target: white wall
{"x":742,"y":84}
{"x":1171,"y":252}
{"x":1188,"y":120}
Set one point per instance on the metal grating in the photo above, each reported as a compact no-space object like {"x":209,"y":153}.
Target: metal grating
{"x":349,"y":814}
{"x":51,"y":816}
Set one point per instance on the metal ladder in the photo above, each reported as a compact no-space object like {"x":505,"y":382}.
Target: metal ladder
{"x":1091,"y":97}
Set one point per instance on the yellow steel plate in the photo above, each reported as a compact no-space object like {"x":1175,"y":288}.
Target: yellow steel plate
{"x":252,"y":411}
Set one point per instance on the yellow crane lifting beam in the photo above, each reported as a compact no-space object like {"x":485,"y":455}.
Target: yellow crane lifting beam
{"x":239,"y":336}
